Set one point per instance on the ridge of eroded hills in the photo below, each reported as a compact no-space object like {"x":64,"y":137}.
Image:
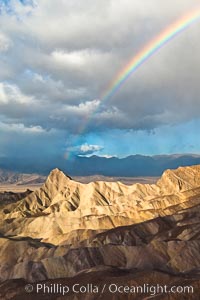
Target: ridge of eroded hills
{"x":67,"y":227}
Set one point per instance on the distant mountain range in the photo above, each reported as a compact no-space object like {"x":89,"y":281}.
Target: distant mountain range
{"x":10,"y":177}
{"x":131,"y":166}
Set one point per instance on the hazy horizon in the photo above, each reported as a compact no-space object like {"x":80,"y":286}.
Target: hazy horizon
{"x":130,"y":166}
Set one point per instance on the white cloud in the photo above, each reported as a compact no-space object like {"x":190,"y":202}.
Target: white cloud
{"x":85,"y":148}
{"x":11,"y":94}
{"x":84,"y":110}
{"x":5,"y":43}
{"x":21,"y":128}
{"x":107,"y":155}
{"x":77,"y":58}
{"x":3,"y":96}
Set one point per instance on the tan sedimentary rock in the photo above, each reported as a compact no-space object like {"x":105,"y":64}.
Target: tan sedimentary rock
{"x":67,"y":227}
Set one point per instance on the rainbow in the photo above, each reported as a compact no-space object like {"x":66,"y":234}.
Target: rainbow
{"x":149,"y":50}
{"x":141,"y":57}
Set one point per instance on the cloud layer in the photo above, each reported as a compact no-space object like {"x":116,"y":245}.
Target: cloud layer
{"x":57,"y":58}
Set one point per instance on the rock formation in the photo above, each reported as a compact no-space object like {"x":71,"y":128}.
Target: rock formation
{"x":66,"y":228}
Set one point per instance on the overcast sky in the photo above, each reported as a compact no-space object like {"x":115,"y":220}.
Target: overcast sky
{"x":57,"y":59}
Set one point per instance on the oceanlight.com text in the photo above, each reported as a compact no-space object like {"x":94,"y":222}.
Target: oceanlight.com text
{"x":112,"y":288}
